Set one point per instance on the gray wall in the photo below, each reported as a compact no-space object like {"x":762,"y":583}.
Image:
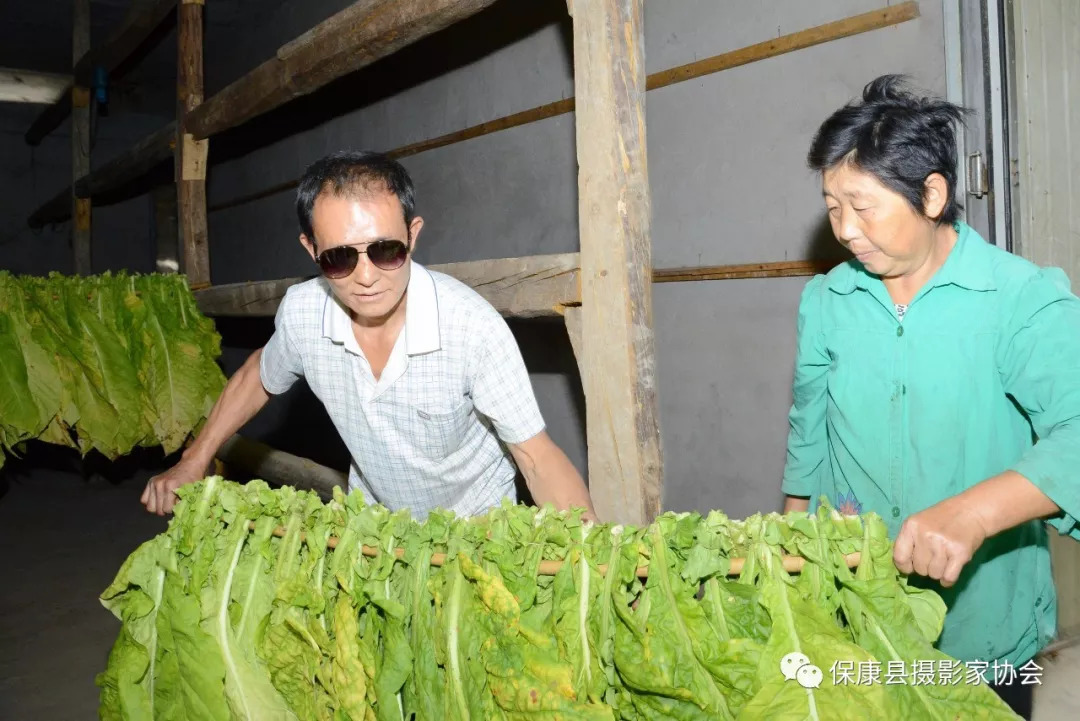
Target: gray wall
{"x":30,"y":176}
{"x":729,"y":185}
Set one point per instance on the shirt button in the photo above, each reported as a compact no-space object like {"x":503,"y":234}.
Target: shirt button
{"x":1038,"y":601}
{"x":896,"y":511}
{"x":899,"y":331}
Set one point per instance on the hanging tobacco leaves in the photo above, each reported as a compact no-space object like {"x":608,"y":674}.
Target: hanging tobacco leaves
{"x":106,"y":362}
{"x":268,"y":604}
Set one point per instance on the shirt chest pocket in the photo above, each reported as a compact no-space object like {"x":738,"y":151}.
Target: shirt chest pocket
{"x":435,"y":429}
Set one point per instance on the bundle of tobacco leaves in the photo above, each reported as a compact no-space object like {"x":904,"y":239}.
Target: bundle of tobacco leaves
{"x":106,"y":362}
{"x":269,"y":604}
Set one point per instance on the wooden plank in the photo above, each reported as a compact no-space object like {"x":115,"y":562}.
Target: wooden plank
{"x":281,"y":468}
{"x":357,"y":36}
{"x":191,"y":155}
{"x":532,"y":286}
{"x":30,"y":86}
{"x":130,"y":165}
{"x":782,"y":269}
{"x":80,"y":141}
{"x":854,"y":25}
{"x":139,"y":25}
{"x":622,"y":428}
{"x":874,"y":20}
{"x":254,"y":298}
{"x":529,"y":287}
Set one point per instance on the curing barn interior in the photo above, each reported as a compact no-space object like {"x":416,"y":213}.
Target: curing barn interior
{"x":599,"y":359}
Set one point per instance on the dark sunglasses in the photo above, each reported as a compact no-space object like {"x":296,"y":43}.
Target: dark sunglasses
{"x":341,"y":261}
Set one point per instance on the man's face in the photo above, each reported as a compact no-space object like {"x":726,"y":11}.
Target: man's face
{"x":371,"y":293}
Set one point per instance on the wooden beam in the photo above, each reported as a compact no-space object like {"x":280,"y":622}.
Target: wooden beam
{"x":30,"y":86}
{"x":130,"y":165}
{"x":357,"y":36}
{"x":873,"y":20}
{"x":80,"y":142}
{"x":191,"y":154}
{"x":619,"y":377}
{"x":532,"y":286}
{"x":529,"y":287}
{"x":281,"y":468}
{"x":140,"y":24}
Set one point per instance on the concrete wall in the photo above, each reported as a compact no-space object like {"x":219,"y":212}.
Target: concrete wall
{"x":729,"y":185}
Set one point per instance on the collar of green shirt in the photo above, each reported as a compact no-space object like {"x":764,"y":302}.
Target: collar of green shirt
{"x":969,"y":265}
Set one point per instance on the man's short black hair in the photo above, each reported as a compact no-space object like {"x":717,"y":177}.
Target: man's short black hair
{"x":353,"y":172}
{"x":898,"y":137}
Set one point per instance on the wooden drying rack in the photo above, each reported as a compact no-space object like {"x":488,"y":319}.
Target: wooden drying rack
{"x":792,"y":564}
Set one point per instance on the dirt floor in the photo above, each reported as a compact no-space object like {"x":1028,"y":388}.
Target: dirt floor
{"x":63,"y":539}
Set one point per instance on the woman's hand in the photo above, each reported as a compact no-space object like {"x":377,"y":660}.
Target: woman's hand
{"x":939,"y":541}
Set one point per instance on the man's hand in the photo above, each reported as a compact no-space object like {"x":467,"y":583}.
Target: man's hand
{"x":939,"y":541}
{"x":159,"y":496}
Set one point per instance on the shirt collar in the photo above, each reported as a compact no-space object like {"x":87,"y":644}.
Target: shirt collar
{"x":421,"y":316}
{"x":969,"y":266}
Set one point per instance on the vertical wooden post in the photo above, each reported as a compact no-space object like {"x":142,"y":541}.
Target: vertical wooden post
{"x":80,"y":141}
{"x":619,"y":369}
{"x":191,"y":153}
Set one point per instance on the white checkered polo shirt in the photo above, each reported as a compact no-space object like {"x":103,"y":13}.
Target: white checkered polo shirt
{"x":426,"y":434}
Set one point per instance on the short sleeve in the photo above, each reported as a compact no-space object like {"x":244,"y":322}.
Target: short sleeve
{"x":499,"y":382}
{"x":281,"y":365}
{"x":807,"y":446}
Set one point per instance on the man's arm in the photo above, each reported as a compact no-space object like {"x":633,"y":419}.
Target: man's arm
{"x":242,"y":398}
{"x":550,"y":476}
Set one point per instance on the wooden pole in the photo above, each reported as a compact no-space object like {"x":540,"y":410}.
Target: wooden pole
{"x":80,"y":142}
{"x":619,"y":369}
{"x":191,"y":153}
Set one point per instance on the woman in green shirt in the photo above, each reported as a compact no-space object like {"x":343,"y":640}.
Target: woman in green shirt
{"x":937,"y":383}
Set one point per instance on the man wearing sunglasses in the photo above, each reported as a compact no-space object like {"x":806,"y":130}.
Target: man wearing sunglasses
{"x":420,"y":375}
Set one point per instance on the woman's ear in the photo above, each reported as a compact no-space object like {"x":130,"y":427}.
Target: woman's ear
{"x":935,"y":195}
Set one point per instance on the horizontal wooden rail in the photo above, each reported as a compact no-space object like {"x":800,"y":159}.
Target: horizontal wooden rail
{"x":873,"y":20}
{"x":125,"y":168}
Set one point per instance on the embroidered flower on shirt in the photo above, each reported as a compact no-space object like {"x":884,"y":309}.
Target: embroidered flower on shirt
{"x":848,"y":504}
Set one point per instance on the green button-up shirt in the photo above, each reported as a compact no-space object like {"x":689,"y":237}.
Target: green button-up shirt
{"x":894,"y":416}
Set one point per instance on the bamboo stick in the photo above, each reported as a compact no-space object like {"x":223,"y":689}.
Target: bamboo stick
{"x":792,"y":564}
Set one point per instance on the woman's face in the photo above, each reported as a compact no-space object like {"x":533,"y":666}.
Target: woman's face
{"x":876,"y":223}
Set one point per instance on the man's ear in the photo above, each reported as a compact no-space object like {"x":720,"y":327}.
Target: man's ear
{"x":309,"y":245}
{"x":415,"y":227}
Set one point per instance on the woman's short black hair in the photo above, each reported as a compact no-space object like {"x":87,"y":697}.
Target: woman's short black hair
{"x":355,"y":173}
{"x":898,"y":137}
